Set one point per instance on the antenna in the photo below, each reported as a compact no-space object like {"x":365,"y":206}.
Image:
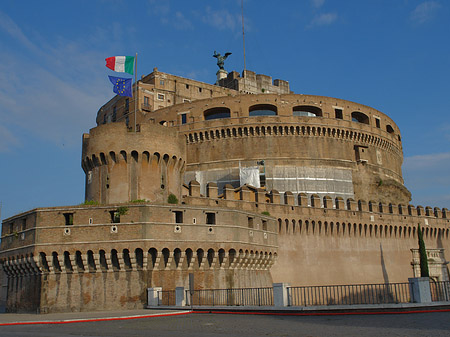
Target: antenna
{"x":243,"y":32}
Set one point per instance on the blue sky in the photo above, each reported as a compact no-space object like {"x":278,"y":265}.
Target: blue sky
{"x":391,"y":55}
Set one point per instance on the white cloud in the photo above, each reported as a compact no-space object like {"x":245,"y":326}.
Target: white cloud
{"x":222,"y":19}
{"x":53,"y":92}
{"x":323,"y":19}
{"x":317,"y":3}
{"x":425,"y":11}
{"x":7,"y":140}
{"x":176,"y":20}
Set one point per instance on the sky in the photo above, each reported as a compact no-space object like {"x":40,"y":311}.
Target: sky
{"x":392,"y":55}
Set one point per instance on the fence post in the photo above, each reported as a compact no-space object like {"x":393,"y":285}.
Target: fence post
{"x":280,"y":294}
{"x":419,"y":289}
{"x":153,"y":296}
{"x":180,"y":299}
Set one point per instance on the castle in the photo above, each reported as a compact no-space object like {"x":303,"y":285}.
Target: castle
{"x":242,"y":183}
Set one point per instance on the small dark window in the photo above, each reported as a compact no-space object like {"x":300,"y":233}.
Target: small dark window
{"x":264,"y":225}
{"x":161,"y":82}
{"x":199,"y":89}
{"x":377,"y":123}
{"x":24,"y":224}
{"x":210,"y":218}
{"x":389,"y":129}
{"x":250,"y":222}
{"x":178,"y":216}
{"x":127,"y":105}
{"x":69,"y":219}
{"x":338,"y":114}
{"x":183,"y":119}
{"x":187,"y":86}
{"x":115,"y":216}
{"x":114,"y":115}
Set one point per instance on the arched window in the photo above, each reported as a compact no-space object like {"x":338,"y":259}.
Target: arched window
{"x":360,"y":117}
{"x":216,"y":113}
{"x":307,"y":111}
{"x":389,"y":129}
{"x":262,"y":110}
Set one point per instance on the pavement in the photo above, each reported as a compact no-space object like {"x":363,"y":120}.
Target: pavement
{"x":95,"y":316}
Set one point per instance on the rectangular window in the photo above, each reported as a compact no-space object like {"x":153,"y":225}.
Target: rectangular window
{"x":104,"y":119}
{"x":24,"y":224}
{"x":146,"y":101}
{"x":178,"y":216}
{"x":127,"y":105}
{"x":210,"y":218}
{"x":250,"y":222}
{"x":264,"y":225}
{"x":183,"y":119}
{"x":199,"y":89}
{"x":114,"y":115}
{"x":187,"y":86}
{"x":115,"y":216}
{"x":68,"y":217}
{"x":161,"y":82}
{"x":338,"y":114}
{"x":161,"y":97}
{"x":377,"y":122}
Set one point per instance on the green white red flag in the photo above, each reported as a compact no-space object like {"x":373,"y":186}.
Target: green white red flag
{"x":122,"y":64}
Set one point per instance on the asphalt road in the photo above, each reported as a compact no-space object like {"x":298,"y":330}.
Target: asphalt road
{"x":200,"y":324}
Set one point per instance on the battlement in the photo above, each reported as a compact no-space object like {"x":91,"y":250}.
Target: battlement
{"x":326,"y":209}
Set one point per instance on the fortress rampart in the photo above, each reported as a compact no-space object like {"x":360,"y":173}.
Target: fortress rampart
{"x":240,"y":189}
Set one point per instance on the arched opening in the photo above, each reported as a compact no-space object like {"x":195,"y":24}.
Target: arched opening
{"x":189,"y":255}
{"x":360,"y":117}
{"x":177,"y":256}
{"x":210,"y":257}
{"x":216,"y":113}
{"x":139,"y":257}
{"x":307,"y":111}
{"x":262,"y":110}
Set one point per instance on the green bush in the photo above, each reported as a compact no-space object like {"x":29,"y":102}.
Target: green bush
{"x":90,"y":202}
{"x":172,"y":199}
{"x":265,"y":213}
{"x":122,"y":210}
{"x":139,"y":201}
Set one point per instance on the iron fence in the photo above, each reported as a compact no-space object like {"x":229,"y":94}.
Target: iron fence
{"x":349,"y":294}
{"x":166,"y":297}
{"x":233,"y":297}
{"x":440,"y":290}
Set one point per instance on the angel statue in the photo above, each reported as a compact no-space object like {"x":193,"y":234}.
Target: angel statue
{"x":221,"y":59}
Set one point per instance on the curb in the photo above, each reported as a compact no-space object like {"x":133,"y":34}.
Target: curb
{"x":98,"y":319}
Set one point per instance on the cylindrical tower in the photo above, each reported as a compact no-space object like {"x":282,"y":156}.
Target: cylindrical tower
{"x":299,"y":143}
{"x":123,"y":166}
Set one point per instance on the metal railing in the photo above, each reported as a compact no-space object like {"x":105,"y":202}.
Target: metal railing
{"x":349,"y":294}
{"x":233,"y":297}
{"x":166,"y":297}
{"x":440,"y":290}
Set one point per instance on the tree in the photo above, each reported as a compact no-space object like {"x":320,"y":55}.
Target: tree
{"x":423,"y":255}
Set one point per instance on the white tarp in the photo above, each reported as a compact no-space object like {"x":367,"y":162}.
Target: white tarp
{"x":249,"y":176}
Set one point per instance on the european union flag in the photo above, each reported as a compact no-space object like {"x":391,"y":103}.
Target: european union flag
{"x":122,"y":86}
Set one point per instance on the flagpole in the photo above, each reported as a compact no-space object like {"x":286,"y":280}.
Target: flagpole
{"x":136,"y":91}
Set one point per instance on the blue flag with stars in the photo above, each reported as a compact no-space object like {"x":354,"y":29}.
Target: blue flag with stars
{"x":122,"y":86}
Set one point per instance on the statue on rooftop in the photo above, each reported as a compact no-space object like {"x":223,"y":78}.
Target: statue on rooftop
{"x":221,"y":59}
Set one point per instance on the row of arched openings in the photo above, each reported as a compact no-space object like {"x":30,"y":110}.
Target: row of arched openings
{"x":307,"y":227}
{"x":279,"y":130}
{"x":122,"y":260}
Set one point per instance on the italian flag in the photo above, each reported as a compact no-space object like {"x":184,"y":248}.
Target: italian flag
{"x":122,"y":64}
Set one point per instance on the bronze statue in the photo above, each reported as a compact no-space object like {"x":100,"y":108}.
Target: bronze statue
{"x":221,"y":59}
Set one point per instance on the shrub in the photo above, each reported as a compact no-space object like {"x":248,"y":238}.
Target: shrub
{"x":265,"y":213}
{"x":172,"y":199}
